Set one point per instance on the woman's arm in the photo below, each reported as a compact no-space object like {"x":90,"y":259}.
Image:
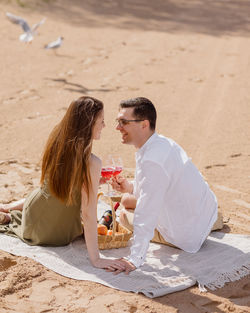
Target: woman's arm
{"x":89,"y":208}
{"x":89,"y":217}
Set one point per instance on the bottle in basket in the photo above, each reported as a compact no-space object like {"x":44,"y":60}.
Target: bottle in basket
{"x":107,"y":219}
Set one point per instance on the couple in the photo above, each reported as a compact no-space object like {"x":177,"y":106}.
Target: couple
{"x":169,"y":201}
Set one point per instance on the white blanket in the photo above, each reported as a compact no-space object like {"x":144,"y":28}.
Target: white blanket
{"x":222,"y":258}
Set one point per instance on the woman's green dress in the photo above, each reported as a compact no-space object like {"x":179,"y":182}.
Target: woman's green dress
{"x":45,"y":220}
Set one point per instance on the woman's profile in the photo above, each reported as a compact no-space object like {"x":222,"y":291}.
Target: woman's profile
{"x":53,"y":213}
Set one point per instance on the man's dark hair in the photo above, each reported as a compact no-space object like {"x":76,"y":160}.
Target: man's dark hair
{"x":143,"y":109}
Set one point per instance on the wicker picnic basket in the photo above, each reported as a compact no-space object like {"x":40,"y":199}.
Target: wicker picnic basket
{"x":120,"y":234}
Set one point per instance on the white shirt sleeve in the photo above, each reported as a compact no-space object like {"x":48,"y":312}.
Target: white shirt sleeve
{"x":153,"y":183}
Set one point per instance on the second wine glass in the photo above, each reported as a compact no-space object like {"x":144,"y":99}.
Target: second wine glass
{"x":118,"y":165}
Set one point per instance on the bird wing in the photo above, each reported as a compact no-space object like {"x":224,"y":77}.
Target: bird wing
{"x":35,"y":26}
{"x":18,"y":20}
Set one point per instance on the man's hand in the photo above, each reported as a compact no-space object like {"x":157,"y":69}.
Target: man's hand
{"x":128,"y":267}
{"x":102,"y":180}
{"x":121,"y":184}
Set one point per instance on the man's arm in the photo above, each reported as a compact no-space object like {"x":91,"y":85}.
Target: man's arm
{"x":153,"y":183}
{"x":129,"y":201}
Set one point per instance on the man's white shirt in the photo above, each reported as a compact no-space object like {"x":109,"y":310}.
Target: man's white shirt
{"x":172,"y":197}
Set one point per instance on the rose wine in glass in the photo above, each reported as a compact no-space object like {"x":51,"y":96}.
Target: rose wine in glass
{"x":117,"y":170}
{"x":118,"y":165}
{"x":107,"y":171}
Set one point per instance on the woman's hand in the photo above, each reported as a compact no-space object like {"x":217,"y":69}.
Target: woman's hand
{"x":129,"y":267}
{"x":109,"y":265}
{"x":121,"y":184}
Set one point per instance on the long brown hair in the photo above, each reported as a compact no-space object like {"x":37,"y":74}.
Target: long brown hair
{"x":66,"y":157}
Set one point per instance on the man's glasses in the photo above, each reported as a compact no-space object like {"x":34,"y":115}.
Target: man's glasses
{"x":123,"y":122}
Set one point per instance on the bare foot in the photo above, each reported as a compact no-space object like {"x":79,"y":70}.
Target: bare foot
{"x":4,"y":218}
{"x":16,"y":205}
{"x":3,"y":208}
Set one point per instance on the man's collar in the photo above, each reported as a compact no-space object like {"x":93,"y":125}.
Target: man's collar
{"x":146,"y":144}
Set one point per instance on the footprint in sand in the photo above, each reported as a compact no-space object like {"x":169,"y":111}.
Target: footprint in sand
{"x":227,"y":189}
{"x":38,"y":116}
{"x":17,"y":179}
{"x":246,"y":287}
{"x":152,"y":61}
{"x":208,"y":306}
{"x":133,"y":88}
{"x":25,"y":170}
{"x":63,"y":109}
{"x":31,"y":117}
{"x":132,"y":309}
{"x":180,"y":48}
{"x":240,"y":296}
{"x":11,"y":100}
{"x":196,"y":80}
{"x":28,"y":93}
{"x":215,"y":165}
{"x":10,"y":186}
{"x":23,"y":94}
{"x":212,"y":306}
{"x":8,"y":161}
{"x":235,"y":155}
{"x":242,"y":203}
{"x":6,"y":263}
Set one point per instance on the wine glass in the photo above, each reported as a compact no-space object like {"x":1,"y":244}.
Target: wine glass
{"x":107,"y":171}
{"x":118,"y":165}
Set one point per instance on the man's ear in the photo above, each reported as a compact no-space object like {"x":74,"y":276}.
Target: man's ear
{"x":145,"y":124}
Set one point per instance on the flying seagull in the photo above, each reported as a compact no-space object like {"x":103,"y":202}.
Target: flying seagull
{"x":54,"y":44}
{"x":29,"y":32}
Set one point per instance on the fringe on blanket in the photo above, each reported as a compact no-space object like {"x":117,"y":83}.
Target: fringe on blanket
{"x":220,"y":281}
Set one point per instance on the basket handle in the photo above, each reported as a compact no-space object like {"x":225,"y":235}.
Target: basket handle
{"x":99,"y":194}
{"x":113,"y":217}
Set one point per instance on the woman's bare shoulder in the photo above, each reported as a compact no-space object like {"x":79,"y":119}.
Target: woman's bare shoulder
{"x":95,"y":162}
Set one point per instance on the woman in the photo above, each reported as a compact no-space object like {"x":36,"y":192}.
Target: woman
{"x":52,"y":214}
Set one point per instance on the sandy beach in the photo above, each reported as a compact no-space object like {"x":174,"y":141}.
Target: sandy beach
{"x":191,"y":58}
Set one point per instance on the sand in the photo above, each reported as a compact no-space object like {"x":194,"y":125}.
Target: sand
{"x":191,"y":58}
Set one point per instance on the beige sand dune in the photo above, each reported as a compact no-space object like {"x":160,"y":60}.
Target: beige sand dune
{"x":191,"y":58}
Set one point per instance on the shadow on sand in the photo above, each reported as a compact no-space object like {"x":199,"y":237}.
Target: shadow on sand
{"x":74,"y":87}
{"x":211,"y":17}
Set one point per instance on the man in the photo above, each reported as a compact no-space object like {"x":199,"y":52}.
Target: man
{"x":173,"y":204}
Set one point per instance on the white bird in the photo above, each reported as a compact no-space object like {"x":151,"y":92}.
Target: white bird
{"x":29,"y":32}
{"x":54,"y":44}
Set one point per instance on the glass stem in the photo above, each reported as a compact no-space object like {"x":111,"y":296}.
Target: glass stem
{"x":108,"y":187}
